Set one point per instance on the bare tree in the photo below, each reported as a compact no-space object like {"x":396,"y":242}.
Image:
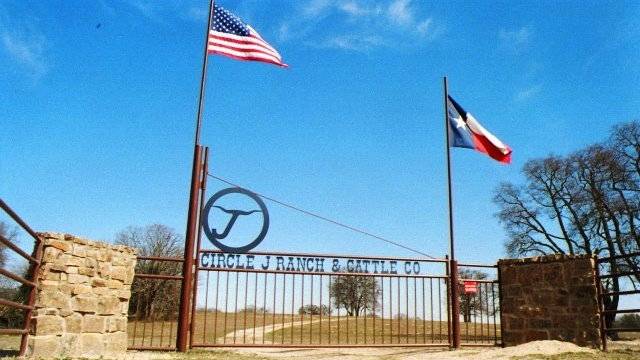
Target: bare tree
{"x":585,"y":203}
{"x":355,"y":294}
{"x":152,"y":298}
{"x":472,"y":304}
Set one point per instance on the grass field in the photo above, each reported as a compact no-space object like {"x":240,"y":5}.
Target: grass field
{"x":259,"y":328}
{"x":352,"y":330}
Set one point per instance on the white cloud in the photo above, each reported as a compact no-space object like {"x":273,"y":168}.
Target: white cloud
{"x":400,"y":12}
{"x":354,"y":42}
{"x":358,"y":24}
{"x":24,"y":43}
{"x":517,"y":39}
{"x":528,"y":93}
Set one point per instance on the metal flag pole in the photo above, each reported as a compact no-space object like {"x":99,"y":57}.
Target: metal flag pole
{"x":453,"y":264}
{"x":192,"y":215}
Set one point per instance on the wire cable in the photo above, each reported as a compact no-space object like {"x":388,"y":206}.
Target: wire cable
{"x":320,"y":217}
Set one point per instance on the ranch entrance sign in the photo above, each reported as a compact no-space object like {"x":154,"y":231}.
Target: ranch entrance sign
{"x":217,"y":238}
{"x":308,"y":264}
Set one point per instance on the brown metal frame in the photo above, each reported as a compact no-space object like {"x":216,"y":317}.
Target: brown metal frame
{"x":601,"y":294}
{"x":34,"y":261}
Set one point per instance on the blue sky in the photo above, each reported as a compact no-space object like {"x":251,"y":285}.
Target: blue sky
{"x":98,"y":104}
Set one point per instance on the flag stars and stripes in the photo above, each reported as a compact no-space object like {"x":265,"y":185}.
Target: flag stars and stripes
{"x":230,"y":37}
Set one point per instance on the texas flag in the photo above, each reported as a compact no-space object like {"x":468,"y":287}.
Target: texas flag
{"x":466,"y":132}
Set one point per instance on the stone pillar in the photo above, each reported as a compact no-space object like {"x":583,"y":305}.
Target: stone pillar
{"x":549,"y":298}
{"x":83,"y":298}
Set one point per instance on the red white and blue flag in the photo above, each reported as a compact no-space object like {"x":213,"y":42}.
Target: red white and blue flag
{"x":466,"y":132}
{"x":231,"y":37}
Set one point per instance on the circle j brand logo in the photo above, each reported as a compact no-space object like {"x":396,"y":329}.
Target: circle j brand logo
{"x":216,"y":237}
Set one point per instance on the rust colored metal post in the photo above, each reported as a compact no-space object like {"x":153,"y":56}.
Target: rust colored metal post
{"x":189,"y":246}
{"x":455,"y":306}
{"x":31,"y":298}
{"x":500,"y":307}
{"x":203,"y":193}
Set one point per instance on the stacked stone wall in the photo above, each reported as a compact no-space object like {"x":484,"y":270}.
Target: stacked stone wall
{"x":83,"y":298}
{"x":549,"y":298}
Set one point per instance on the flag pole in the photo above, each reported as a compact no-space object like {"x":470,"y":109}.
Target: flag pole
{"x":192,"y":215}
{"x":453,"y":264}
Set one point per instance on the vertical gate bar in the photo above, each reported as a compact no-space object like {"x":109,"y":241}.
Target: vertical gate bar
{"x":347,"y":313}
{"x":171,"y":330}
{"x":365,"y":321}
{"x":390,"y":310}
{"x":486,"y":298}
{"x":338,"y":315}
{"x":246,"y":295}
{"x":382,"y":308}
{"x":302,"y":315}
{"x":320,"y":326}
{"x":406,"y":298}
{"x":264,"y":306}
{"x":226,"y":308}
{"x":398,"y":313}
{"x":215,"y":314}
{"x":424,"y":315}
{"x":330,"y":310}
{"x":475,"y":330}
{"x":255,"y":306}
{"x":415,"y":311}
{"x":144,"y":331}
{"x":293,"y":302}
{"x":153,"y":323}
{"x":284,"y":287}
{"x":311,"y":314}
{"x":439,"y":310}
{"x":235,"y":307}
{"x":493,"y":303}
{"x":135,"y":324}
{"x":374,"y":306}
{"x":357,"y":320}
{"x":273,"y":316}
{"x":206,"y":310}
{"x":433,"y":333}
{"x":162,"y":333}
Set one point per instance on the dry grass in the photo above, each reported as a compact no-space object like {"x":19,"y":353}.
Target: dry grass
{"x":247,"y":327}
{"x":361,"y":330}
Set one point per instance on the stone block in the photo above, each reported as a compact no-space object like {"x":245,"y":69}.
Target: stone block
{"x":52,"y":299}
{"x":84,"y":303}
{"x":58,"y":244}
{"x":74,"y":323}
{"x":108,"y":305}
{"x":92,"y":345}
{"x":116,"y":342}
{"x":48,"y":325}
{"x":84,"y":270}
{"x":82,"y":289}
{"x":114,"y":284}
{"x":117,"y":323}
{"x":77,"y":279}
{"x":44,"y":346}
{"x":97,"y":282}
{"x":93,"y":324}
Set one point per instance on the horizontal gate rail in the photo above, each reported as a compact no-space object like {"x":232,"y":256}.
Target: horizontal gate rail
{"x":29,"y":283}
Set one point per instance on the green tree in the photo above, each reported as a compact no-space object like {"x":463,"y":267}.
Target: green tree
{"x":356,"y":294}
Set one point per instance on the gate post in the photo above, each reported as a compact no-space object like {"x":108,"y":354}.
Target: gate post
{"x":187,"y":265}
{"x":455,"y":305}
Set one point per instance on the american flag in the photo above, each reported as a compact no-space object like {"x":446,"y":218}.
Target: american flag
{"x":229,"y":36}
